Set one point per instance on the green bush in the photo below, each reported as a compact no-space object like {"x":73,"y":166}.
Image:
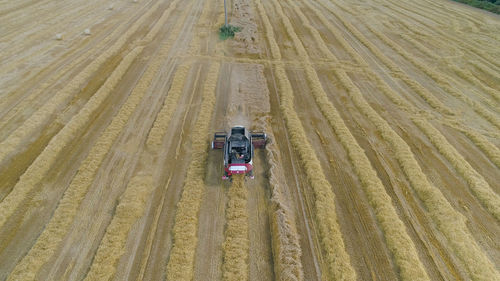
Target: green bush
{"x":483,"y":4}
{"x":228,"y":31}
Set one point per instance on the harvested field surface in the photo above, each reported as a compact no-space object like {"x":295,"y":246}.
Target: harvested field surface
{"x":382,"y":161}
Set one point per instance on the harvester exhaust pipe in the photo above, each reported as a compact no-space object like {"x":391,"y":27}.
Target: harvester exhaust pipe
{"x":225,"y":14}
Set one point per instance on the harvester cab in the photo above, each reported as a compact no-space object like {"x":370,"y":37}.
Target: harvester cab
{"x":238,"y":149}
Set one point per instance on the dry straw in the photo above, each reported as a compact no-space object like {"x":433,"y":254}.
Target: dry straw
{"x":450,"y":222}
{"x":133,"y":202}
{"x":442,"y":80}
{"x":180,"y":265}
{"x":462,"y":72}
{"x":479,"y":186}
{"x":463,"y":45}
{"x":43,"y":163}
{"x":336,"y":257}
{"x":42,"y":115}
{"x":477,"y":183}
{"x":486,"y":73}
{"x":130,"y":208}
{"x":63,"y":216}
{"x":487,"y":147}
{"x":396,"y":70}
{"x":160,"y":125}
{"x":275,"y":50}
{"x":235,"y":266}
{"x":161,"y":22}
{"x":285,"y":238}
{"x":398,"y":240}
{"x":484,"y":144}
{"x":58,"y":73}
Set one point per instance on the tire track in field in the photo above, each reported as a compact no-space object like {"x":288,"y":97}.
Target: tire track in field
{"x":137,"y":266}
{"x":402,"y":103}
{"x":493,"y":78}
{"x":394,"y":229}
{"x":63,"y":216}
{"x":131,"y":206}
{"x":107,"y":88}
{"x":17,"y":165}
{"x":44,"y":10}
{"x":153,"y":144}
{"x":50,"y":49}
{"x":461,"y":16}
{"x":339,"y":265}
{"x":12,"y":9}
{"x":478,"y":185}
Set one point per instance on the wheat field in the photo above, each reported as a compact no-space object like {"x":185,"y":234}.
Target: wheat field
{"x":383,"y":160}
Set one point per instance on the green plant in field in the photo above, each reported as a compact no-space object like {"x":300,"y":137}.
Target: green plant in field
{"x":227,"y":31}
{"x":488,"y":5}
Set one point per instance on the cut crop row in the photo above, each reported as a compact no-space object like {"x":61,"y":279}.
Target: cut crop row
{"x":57,"y":73}
{"x":463,"y":73}
{"x":130,"y":208}
{"x":42,"y":115}
{"x":285,"y":238}
{"x":133,"y":202}
{"x":42,"y":164}
{"x":63,"y":216}
{"x":449,"y":221}
{"x":398,"y":240}
{"x":443,"y":35}
{"x":180,"y":265}
{"x":477,"y":183}
{"x":337,"y":259}
{"x":395,"y":69}
{"x":481,"y":189}
{"x":489,"y":149}
{"x":235,"y":266}
{"x":162,"y":121}
{"x":442,"y":80}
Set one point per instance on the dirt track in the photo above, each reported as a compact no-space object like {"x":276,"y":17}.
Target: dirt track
{"x":383,"y":164}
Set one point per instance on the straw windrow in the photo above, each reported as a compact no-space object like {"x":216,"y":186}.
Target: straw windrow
{"x":180,"y":265}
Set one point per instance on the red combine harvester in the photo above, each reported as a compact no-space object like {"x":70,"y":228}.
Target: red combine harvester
{"x":238,"y":149}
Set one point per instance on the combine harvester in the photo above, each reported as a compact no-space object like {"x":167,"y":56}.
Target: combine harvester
{"x":238,"y":150}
